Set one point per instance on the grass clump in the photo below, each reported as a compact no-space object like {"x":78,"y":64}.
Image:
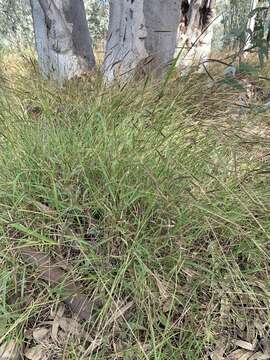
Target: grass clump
{"x":158,"y":206}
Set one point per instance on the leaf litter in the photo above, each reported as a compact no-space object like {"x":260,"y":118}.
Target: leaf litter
{"x":245,"y":337}
{"x":243,"y":350}
{"x":49,"y":340}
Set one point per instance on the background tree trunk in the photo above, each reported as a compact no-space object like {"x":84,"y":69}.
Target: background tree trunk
{"x":195,"y":32}
{"x":141,"y":37}
{"x":62,"y":38}
{"x":251,"y":26}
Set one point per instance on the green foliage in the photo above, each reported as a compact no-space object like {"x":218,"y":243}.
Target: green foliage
{"x":235,"y":19}
{"x":15,"y":24}
{"x":261,"y":35}
{"x":237,"y":34}
{"x":97,"y":15}
{"x":16,"y":28}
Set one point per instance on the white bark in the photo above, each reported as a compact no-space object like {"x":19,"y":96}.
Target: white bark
{"x":141,"y":37}
{"x":62,"y":38}
{"x":251,"y":26}
{"x":195,"y":33}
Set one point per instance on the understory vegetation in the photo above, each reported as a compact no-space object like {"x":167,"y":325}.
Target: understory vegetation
{"x":152,"y":198}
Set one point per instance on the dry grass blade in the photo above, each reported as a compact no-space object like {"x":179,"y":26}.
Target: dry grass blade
{"x":119,"y":312}
{"x":97,"y":341}
{"x":10,"y":351}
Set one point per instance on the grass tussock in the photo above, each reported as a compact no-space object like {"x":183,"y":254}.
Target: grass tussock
{"x":154,"y":198}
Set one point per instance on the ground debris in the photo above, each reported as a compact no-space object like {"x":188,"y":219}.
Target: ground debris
{"x":218,"y":353}
{"x":51,"y":272}
{"x":37,"y":352}
{"x":10,"y":350}
{"x":242,"y":350}
{"x":49,"y":339}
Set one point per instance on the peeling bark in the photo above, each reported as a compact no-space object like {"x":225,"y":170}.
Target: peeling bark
{"x":251,"y":27}
{"x":195,"y":32}
{"x":62,"y":38}
{"x":141,"y":37}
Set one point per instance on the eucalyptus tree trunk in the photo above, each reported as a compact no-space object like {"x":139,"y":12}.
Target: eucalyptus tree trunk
{"x":235,"y":21}
{"x":195,"y":32}
{"x":141,"y":37}
{"x":251,"y":26}
{"x":62,"y":38}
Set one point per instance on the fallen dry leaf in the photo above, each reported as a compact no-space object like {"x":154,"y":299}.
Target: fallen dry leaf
{"x":225,"y":307}
{"x":71,"y":326}
{"x":260,"y":356}
{"x":218,"y":353}
{"x":43,"y":208}
{"x":55,"y":325}
{"x":37,"y":352}
{"x":66,"y":326}
{"x":166,"y":307}
{"x":41,"y":334}
{"x":240,"y":354}
{"x":10,"y":351}
{"x":245,"y":345}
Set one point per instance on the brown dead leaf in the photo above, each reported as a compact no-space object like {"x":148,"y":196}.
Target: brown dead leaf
{"x":43,"y":208}
{"x":260,"y":356}
{"x":10,"y":351}
{"x":225,"y":307}
{"x":41,"y":334}
{"x":56,"y":324}
{"x":166,"y":307}
{"x":48,"y":269}
{"x":240,"y":354}
{"x":80,"y":305}
{"x":66,"y":326}
{"x":218,"y":353}
{"x":71,"y":326}
{"x":37,"y":352}
{"x":245,"y":345}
